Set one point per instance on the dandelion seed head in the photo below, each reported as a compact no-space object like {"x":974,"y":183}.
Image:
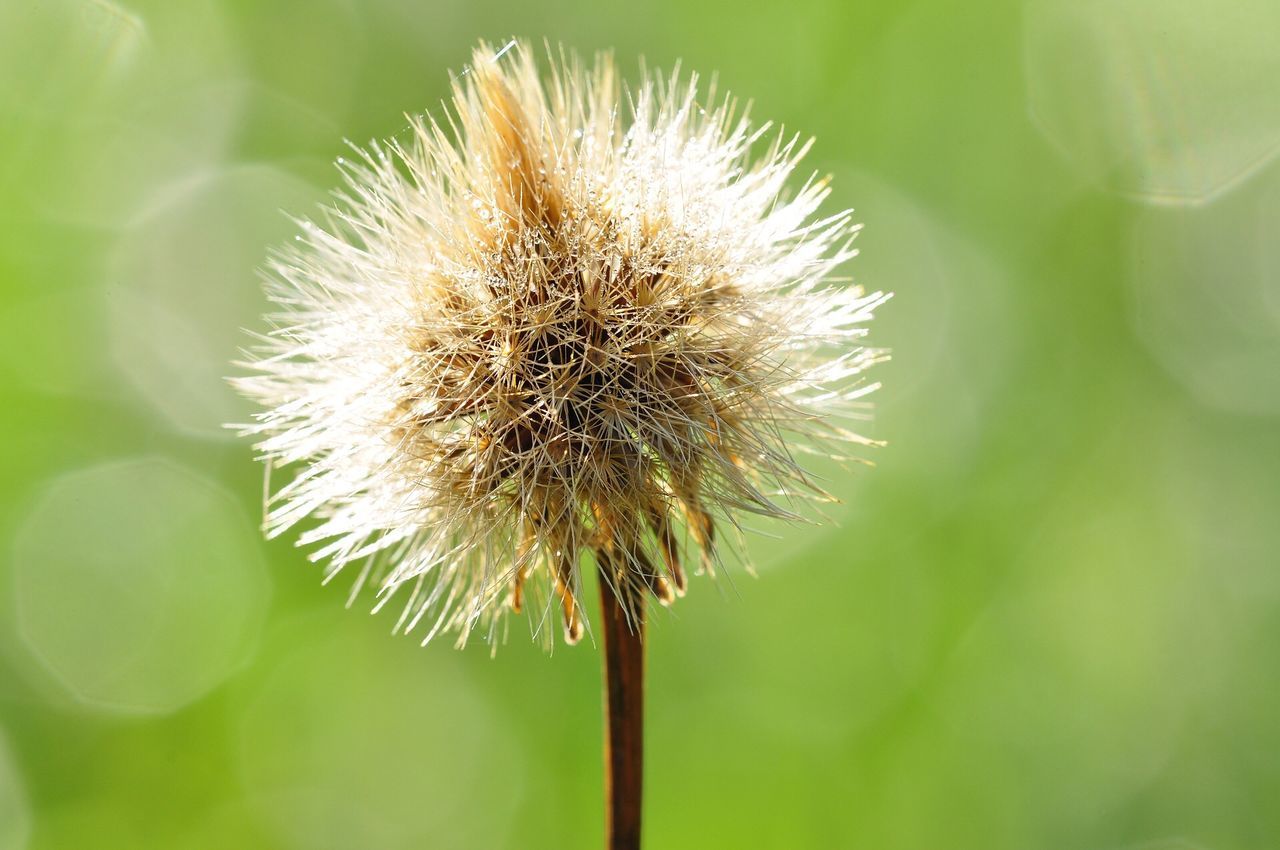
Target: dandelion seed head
{"x":573,"y":322}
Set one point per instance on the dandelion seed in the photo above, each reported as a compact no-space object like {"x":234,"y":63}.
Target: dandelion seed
{"x":553,"y":329}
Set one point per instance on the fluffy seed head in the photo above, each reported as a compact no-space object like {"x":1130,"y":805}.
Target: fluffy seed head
{"x":574,"y":322}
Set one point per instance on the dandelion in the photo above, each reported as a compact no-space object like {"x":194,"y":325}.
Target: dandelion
{"x":575,"y":323}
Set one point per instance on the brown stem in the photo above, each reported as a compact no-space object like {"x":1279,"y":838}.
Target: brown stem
{"x":624,"y":714}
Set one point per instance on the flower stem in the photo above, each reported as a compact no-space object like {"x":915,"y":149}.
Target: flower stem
{"x":624,"y":715}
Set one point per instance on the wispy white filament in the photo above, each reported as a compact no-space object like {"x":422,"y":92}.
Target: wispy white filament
{"x":574,"y":323}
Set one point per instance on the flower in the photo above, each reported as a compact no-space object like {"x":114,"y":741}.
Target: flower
{"x":554,"y":326}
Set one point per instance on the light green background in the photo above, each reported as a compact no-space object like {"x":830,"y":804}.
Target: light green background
{"x":1048,"y":618}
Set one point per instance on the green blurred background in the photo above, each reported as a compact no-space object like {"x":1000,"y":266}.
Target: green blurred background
{"x":1049,"y":618}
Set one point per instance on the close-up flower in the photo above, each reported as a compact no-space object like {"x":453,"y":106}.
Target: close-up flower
{"x":573,"y":321}
{"x":570,"y":320}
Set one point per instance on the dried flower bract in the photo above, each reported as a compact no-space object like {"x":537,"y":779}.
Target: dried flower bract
{"x":576,"y":322}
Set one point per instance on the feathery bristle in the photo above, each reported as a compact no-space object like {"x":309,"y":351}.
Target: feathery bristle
{"x":560,"y":326}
